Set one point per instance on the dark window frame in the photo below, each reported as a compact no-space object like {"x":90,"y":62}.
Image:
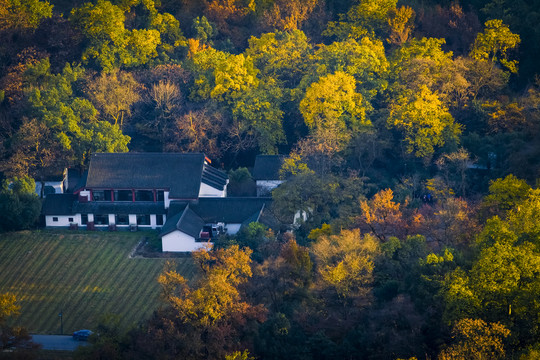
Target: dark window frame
{"x":98,"y":219}
{"x":145,"y":217}
{"x":116,"y":217}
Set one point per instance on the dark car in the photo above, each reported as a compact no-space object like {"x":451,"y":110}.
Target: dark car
{"x":82,"y":335}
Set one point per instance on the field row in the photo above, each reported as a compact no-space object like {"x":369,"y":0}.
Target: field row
{"x":80,"y":275}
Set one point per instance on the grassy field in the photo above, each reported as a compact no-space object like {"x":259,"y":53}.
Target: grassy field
{"x":81,"y":274}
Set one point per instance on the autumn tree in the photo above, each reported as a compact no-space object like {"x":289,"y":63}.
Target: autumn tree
{"x":454,"y":167}
{"x":34,"y":152}
{"x":163,"y":101}
{"x":13,"y":337}
{"x":212,"y":313}
{"x":286,"y":15}
{"x":401,"y":23}
{"x":114,"y":95}
{"x":196,"y":131}
{"x":345,"y":264}
{"x":423,"y":62}
{"x":282,"y":280}
{"x":382,"y":215}
{"x":476,"y":339}
{"x":424,"y":121}
{"x":333,"y":104}
{"x":364,"y":59}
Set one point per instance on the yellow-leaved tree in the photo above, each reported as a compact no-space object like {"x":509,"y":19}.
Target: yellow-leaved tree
{"x":345,"y":265}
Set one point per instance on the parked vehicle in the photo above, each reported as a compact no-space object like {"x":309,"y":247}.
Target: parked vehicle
{"x":82,"y":335}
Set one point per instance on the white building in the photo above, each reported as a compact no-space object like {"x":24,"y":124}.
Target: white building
{"x":178,"y":193}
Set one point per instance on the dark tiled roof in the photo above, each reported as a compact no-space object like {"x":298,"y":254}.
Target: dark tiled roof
{"x":267,"y":167}
{"x":228,"y":210}
{"x":182,"y":174}
{"x":213,"y":177}
{"x":106,"y":207}
{"x":58,"y":204}
{"x":186,"y":221}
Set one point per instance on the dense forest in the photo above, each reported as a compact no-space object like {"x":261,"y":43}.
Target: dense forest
{"x":411,"y":139}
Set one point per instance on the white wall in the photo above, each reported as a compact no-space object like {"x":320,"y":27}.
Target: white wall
{"x":233,"y":228}
{"x":57,"y":185}
{"x":63,"y":220}
{"x":85,"y":193}
{"x":265,"y":187}
{"x":178,"y":241}
{"x":166,"y":199}
{"x":208,"y":191}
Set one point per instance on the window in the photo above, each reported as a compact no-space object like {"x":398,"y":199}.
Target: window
{"x":144,"y":195}
{"x":100,"y":219}
{"x":160,"y":195}
{"x":122,"y":219}
{"x":98,"y":195}
{"x":159,"y":219}
{"x":101,"y":195}
{"x":70,"y":220}
{"x":55,"y":219}
{"x":123,"y":195}
{"x":84,"y":219}
{"x":143,"y":219}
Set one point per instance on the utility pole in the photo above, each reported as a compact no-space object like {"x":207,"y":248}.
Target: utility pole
{"x":61,"y":315}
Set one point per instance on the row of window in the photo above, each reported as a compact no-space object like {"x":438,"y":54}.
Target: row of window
{"x":127,"y":195}
{"x":119,"y":219}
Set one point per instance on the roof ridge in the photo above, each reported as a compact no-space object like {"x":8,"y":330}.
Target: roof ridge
{"x":182,"y":216}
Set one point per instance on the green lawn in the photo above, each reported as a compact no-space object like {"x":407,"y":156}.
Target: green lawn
{"x":82,"y":274}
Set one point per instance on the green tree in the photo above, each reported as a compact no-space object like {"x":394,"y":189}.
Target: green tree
{"x":503,"y":280}
{"x":111,"y":45}
{"x":259,"y":116}
{"x":204,"y":30}
{"x":505,"y":194}
{"x":71,"y":119}
{"x":494,"y":45}
{"x":367,"y":17}
{"x":19,"y":203}
{"x":103,"y":25}
{"x":282,"y":55}
{"x":23,"y":14}
{"x":240,"y":183}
